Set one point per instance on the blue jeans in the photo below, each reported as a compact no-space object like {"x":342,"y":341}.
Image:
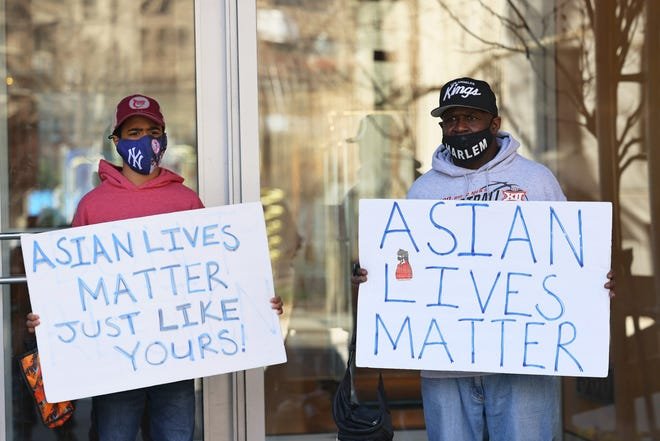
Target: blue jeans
{"x":498,"y":407}
{"x":170,"y":408}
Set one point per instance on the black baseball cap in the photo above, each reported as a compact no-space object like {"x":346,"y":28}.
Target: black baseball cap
{"x":466,"y":92}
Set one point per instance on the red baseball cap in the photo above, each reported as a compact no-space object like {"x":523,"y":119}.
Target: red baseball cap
{"x":137,"y":105}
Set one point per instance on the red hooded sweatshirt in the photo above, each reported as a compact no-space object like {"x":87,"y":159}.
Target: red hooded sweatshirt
{"x":117,"y":198}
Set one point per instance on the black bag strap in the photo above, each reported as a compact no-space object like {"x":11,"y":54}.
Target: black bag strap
{"x":352,"y":349}
{"x":356,"y":422}
{"x":348,"y":377}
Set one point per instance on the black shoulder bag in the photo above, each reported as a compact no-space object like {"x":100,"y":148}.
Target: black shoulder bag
{"x":359,"y":422}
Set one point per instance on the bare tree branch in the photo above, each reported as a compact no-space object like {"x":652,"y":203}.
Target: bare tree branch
{"x":591,"y":13}
{"x":630,"y":161}
{"x":631,"y":122}
{"x":627,"y":146}
{"x":474,"y":35}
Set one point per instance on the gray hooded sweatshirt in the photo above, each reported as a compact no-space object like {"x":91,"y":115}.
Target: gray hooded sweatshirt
{"x":507,"y":177}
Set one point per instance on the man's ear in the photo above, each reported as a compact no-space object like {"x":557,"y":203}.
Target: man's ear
{"x":495,"y":124}
{"x":115,"y":139}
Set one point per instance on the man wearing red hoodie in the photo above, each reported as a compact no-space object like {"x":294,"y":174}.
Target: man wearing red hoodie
{"x":140,"y":187}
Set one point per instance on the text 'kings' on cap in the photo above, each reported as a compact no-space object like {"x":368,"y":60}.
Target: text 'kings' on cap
{"x":466,"y":92}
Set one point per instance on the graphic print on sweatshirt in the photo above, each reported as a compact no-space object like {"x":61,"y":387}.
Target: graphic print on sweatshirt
{"x":496,"y":191}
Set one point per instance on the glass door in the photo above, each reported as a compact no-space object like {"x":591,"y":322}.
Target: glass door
{"x":66,"y":64}
{"x":331,"y":132}
{"x":345,"y":91}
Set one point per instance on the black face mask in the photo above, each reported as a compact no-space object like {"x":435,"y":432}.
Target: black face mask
{"x":470,"y":146}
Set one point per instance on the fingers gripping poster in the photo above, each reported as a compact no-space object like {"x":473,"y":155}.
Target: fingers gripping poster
{"x":152,"y":300}
{"x":483,"y":286}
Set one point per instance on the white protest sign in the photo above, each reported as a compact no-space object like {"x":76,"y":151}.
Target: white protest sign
{"x":483,"y":286}
{"x":152,"y":300}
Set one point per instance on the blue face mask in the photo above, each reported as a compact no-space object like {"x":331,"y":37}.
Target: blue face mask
{"x":142,"y":155}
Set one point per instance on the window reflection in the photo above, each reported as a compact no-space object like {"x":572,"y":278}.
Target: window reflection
{"x":325,"y":143}
{"x":579,"y":103}
{"x":67,"y":65}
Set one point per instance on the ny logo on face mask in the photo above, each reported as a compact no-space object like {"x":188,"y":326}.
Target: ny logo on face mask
{"x":135,"y":157}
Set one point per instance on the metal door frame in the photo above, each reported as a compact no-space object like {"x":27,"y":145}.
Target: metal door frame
{"x":228,"y":166}
{"x":5,"y":331}
{"x":228,"y":170}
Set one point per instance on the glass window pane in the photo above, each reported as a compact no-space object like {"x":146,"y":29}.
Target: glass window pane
{"x":67,"y":65}
{"x":346,"y":87}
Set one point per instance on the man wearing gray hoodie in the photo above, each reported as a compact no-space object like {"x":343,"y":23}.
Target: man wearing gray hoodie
{"x":478,"y":161}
